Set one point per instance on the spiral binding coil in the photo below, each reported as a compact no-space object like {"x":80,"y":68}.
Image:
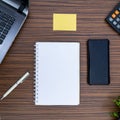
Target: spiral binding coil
{"x":36,"y":74}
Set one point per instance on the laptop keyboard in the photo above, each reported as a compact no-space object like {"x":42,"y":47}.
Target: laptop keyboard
{"x":6,"y":21}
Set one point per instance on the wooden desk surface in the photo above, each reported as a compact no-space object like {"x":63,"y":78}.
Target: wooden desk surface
{"x":96,"y":101}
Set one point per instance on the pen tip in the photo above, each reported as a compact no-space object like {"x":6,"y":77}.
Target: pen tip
{"x":1,"y":99}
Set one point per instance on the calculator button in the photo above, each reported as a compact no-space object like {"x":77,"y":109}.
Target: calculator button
{"x":110,"y":19}
{"x":114,"y":23}
{"x":118,"y":26}
{"x":118,"y":19}
{"x":117,"y":12}
{"x":113,"y":15}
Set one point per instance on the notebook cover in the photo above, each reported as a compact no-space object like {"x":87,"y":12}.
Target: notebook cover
{"x":57,"y":73}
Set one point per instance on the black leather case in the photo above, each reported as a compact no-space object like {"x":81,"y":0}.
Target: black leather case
{"x":98,"y":61}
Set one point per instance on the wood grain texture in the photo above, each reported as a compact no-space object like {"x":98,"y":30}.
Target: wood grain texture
{"x":96,"y":101}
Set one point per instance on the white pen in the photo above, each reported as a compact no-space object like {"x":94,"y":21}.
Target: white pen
{"x":15,"y":85}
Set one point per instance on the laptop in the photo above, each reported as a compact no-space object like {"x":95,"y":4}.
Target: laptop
{"x":13,"y":14}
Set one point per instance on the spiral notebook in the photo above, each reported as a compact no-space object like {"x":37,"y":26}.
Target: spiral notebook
{"x":57,"y":73}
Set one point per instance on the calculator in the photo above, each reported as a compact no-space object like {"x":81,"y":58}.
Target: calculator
{"x":113,"y":18}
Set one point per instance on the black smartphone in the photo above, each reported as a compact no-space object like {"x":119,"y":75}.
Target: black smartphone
{"x":98,"y":61}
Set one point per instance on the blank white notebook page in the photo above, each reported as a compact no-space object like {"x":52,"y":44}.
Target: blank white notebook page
{"x":57,"y":73}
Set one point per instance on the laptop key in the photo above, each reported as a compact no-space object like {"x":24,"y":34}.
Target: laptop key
{"x":8,"y":27}
{"x":10,"y":22}
{"x":1,"y":41}
{"x":3,"y":36}
{"x":2,"y":24}
{"x":5,"y":32}
{"x":1,"y":29}
{"x":12,"y":18}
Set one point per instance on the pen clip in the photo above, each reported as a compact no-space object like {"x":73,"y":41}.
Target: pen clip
{"x":24,"y":77}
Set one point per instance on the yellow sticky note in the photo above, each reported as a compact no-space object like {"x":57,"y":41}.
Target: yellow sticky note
{"x":64,"y":22}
